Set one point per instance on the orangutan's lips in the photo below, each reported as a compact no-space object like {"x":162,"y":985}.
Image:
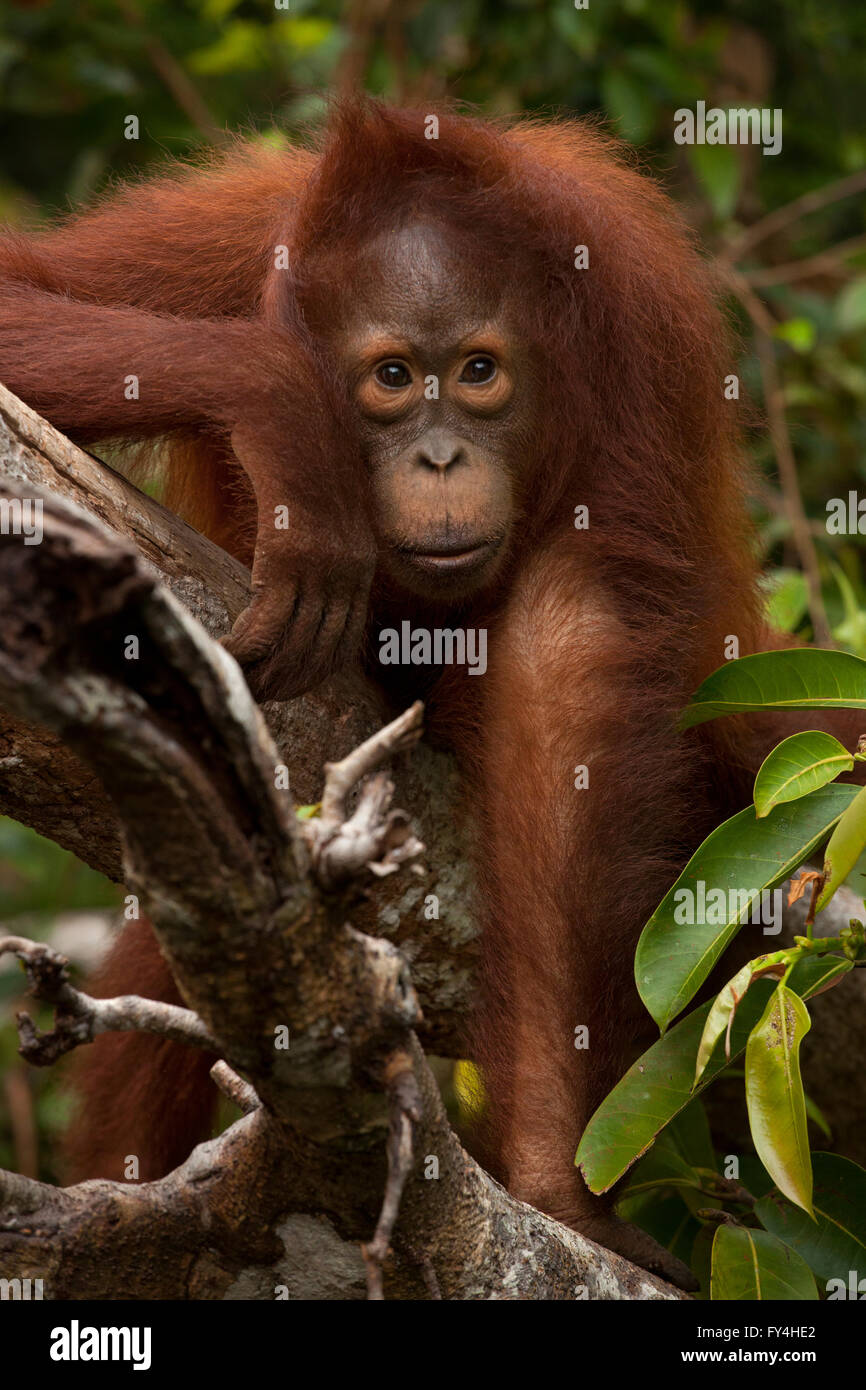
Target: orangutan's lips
{"x":448,"y":560}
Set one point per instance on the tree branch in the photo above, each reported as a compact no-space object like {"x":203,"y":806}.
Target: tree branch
{"x":219,"y":862}
{"x":44,"y":784}
{"x":78,"y":1018}
{"x":774,"y":400}
{"x":822,"y":263}
{"x":782,"y":217}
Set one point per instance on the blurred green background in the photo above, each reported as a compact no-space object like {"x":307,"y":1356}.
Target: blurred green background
{"x":71,"y":71}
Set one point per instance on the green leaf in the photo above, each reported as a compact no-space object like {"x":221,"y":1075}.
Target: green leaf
{"x":655,"y":1089}
{"x":800,"y":333}
{"x":798,"y":765}
{"x":786,"y":598}
{"x":851,"y":307}
{"x":846,"y":845}
{"x":739,"y":860}
{"x":835,"y":967}
{"x":718,"y":168}
{"x":689,"y":1135}
{"x":241,"y":47}
{"x":659,"y":1085}
{"x":664,"y":1216}
{"x":835,"y":1242}
{"x":800,"y":678}
{"x":856,"y":879}
{"x":753,"y":1266}
{"x":304,"y":33}
{"x":629,"y":104}
{"x":774,"y":1095}
{"x":721,"y":1014}
{"x":817,"y":1116}
{"x":851,"y":631}
{"x":662,"y":1168}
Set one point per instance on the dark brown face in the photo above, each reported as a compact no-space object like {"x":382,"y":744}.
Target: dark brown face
{"x":446,"y":407}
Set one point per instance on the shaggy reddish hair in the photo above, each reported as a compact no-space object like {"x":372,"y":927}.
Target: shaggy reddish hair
{"x":598,"y":636}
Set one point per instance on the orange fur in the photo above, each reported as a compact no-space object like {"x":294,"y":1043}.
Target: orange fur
{"x":133,"y":1087}
{"x":597,"y":636}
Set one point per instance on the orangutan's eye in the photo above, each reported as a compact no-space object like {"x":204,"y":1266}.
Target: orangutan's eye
{"x":478,"y":371}
{"x":394,"y":375}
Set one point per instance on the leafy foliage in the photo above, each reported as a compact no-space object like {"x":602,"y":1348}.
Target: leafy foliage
{"x":761,"y":1011}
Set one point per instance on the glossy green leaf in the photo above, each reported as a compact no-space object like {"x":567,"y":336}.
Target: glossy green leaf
{"x":835,"y":1242}
{"x":662,"y":1168}
{"x":836,"y":967}
{"x":721,"y":1013}
{"x":681,"y":1161}
{"x":665,"y":1217}
{"x":753,"y":1266}
{"x":659,"y":1085}
{"x":688,"y":1134}
{"x":856,"y":879}
{"x":774,"y":1095}
{"x":739,"y":860}
{"x":799,"y":765}
{"x":846,"y":845}
{"x":800,"y":678}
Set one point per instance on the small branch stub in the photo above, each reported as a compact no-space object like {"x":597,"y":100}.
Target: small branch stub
{"x":373,"y":837}
{"x":405,"y":1112}
{"x":240,"y":1092}
{"x":79,"y":1018}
